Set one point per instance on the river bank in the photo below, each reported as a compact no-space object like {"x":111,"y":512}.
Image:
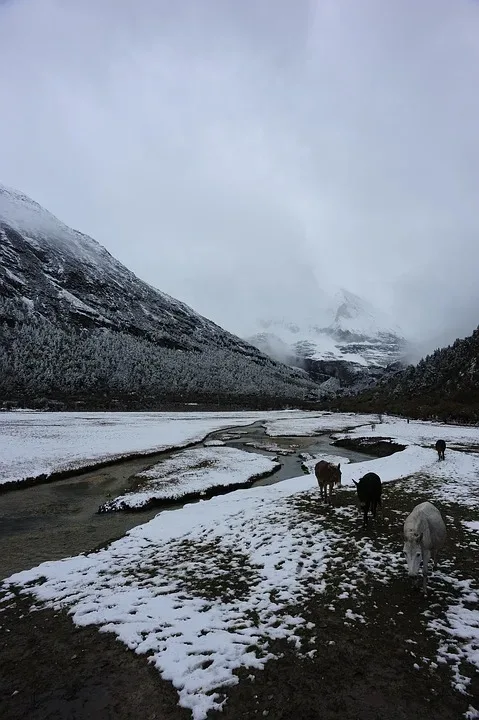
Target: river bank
{"x":60,"y":518}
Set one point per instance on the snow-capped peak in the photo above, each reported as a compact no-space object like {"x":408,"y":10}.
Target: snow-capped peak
{"x":348,"y":329}
{"x":29,"y":218}
{"x":42,"y":230}
{"x":357,"y":317}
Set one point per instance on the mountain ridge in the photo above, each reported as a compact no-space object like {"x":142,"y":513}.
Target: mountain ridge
{"x":444,"y":386}
{"x":353,"y":343}
{"x":64,"y":284}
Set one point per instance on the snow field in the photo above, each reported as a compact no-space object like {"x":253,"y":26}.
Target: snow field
{"x":202,"y":592}
{"x":42,"y":443}
{"x":313,"y":424}
{"x":205,"y":590}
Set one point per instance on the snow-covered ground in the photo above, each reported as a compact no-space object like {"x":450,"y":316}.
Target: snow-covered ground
{"x":272,"y":447}
{"x":202,"y":590}
{"x":314,"y":424}
{"x":418,"y":432}
{"x":206,"y":589}
{"x":448,"y":480}
{"x":37,"y":443}
{"x":400,"y":465}
{"x":194,"y":471}
{"x":309,"y":460}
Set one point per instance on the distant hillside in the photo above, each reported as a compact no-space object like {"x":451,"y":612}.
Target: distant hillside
{"x":443,"y":385}
{"x":78,"y":326}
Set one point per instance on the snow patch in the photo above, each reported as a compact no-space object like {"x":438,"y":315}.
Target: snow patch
{"x":202,"y":591}
{"x":195,"y":471}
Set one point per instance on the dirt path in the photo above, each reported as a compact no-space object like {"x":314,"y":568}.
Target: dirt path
{"x":51,"y":669}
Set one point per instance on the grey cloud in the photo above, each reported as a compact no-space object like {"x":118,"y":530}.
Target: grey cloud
{"x":250,"y":157}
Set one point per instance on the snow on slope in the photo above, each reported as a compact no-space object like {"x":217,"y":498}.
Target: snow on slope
{"x":35,"y":224}
{"x":72,"y":281}
{"x":355,"y":315}
{"x":350,"y":330}
{"x":28,"y":217}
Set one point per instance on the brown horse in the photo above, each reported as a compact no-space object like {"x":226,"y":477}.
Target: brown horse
{"x":440,"y":449}
{"x":327,"y":475}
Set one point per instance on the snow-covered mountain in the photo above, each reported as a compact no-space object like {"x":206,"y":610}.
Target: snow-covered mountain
{"x":66,"y":279}
{"x":352,"y":339}
{"x":68,"y":275}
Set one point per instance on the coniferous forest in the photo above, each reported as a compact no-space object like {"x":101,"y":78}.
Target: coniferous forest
{"x":45,"y":364}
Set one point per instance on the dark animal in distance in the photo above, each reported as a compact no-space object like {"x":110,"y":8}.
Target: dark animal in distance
{"x":327,"y":475}
{"x":369,"y":491}
{"x":441,"y":449}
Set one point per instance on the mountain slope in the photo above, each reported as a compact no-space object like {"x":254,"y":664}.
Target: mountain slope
{"x":444,"y":384}
{"x":70,"y":277}
{"x":354,"y":340}
{"x":57,"y":283}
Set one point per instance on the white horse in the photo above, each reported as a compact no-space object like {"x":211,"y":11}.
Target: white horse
{"x":424,"y":535}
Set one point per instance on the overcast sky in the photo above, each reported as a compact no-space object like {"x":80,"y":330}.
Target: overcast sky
{"x":248,"y":156}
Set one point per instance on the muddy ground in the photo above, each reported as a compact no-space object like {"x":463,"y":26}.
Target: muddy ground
{"x":51,"y":670}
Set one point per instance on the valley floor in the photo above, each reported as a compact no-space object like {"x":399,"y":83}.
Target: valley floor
{"x":262,"y":603}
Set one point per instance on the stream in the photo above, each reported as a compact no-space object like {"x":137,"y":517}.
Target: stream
{"x":59,"y":519}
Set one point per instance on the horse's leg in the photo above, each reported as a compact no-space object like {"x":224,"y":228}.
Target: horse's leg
{"x":426,"y":554}
{"x":365,"y":516}
{"x":380,"y":505}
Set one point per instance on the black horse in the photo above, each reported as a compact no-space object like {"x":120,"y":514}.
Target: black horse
{"x":441,"y":449}
{"x":369,"y":493}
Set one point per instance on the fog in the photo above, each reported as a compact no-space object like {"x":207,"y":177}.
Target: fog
{"x":251,"y":157}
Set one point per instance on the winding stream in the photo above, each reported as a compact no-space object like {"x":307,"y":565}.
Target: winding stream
{"x":60,"y":519}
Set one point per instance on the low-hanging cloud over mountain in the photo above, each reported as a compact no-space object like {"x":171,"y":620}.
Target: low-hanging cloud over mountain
{"x":252,"y":157}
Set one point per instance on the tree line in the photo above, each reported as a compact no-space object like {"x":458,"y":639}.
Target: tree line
{"x":42,"y":359}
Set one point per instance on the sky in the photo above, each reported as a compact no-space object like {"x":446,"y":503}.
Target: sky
{"x":250,"y":157}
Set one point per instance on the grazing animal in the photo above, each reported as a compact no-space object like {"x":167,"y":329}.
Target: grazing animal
{"x":327,"y":475}
{"x":369,"y":490}
{"x":441,"y":449}
{"x":373,"y":426}
{"x":424,"y":535}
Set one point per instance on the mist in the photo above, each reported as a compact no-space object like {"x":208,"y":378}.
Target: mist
{"x":252,"y":157}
